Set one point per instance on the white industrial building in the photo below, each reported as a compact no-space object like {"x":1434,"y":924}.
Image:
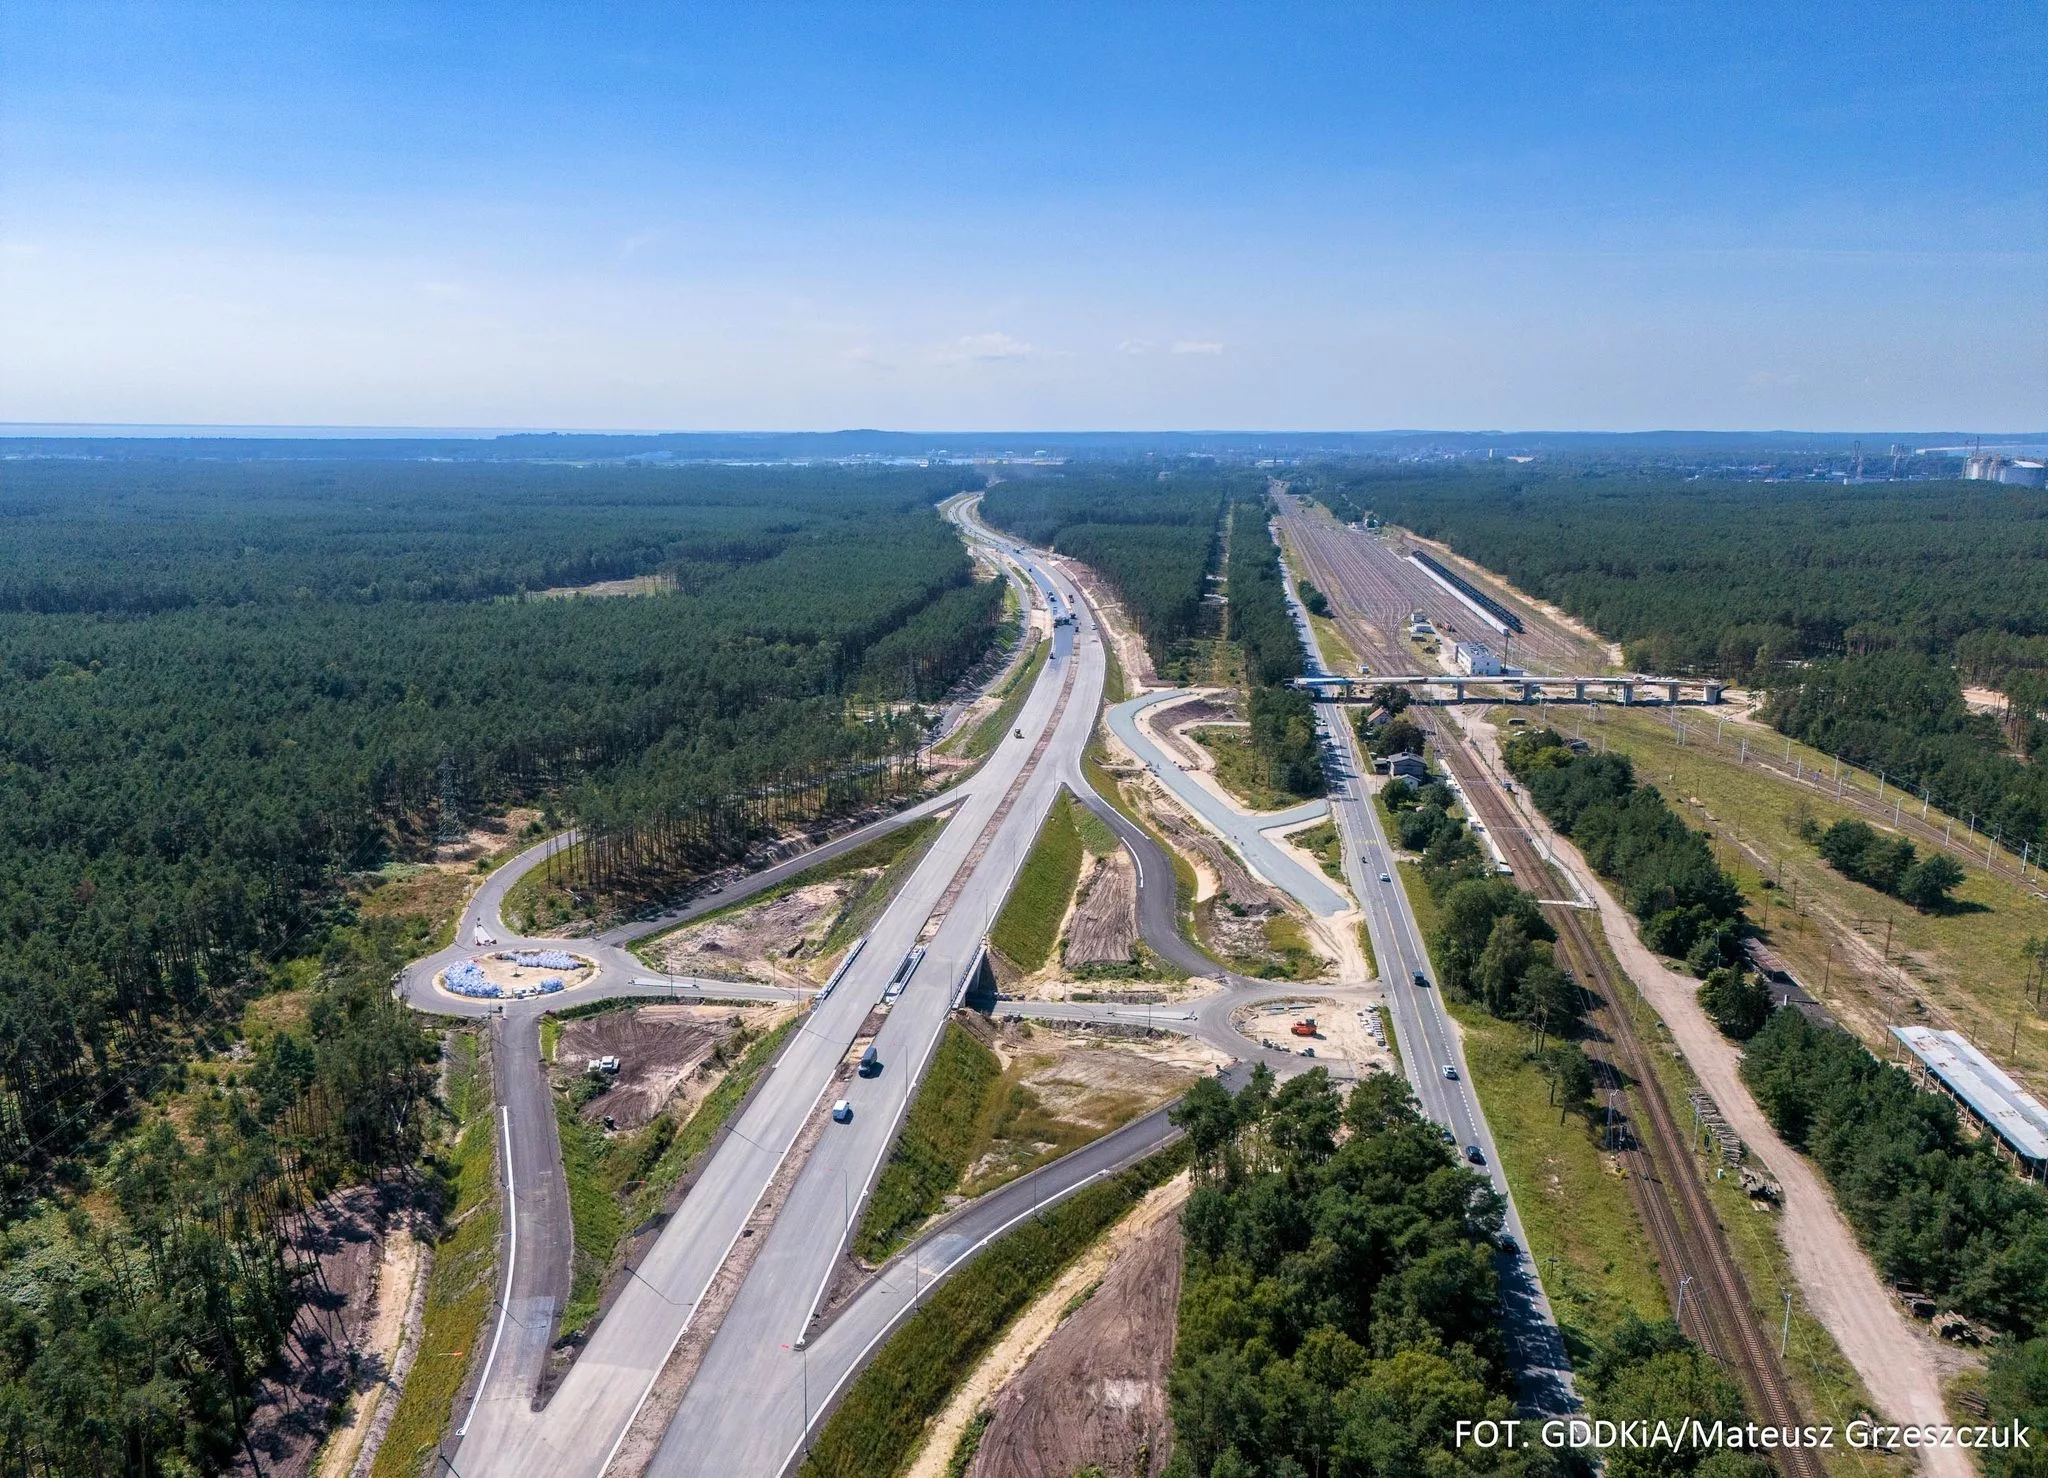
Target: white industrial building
{"x":1476,"y":659}
{"x":2019,"y":473}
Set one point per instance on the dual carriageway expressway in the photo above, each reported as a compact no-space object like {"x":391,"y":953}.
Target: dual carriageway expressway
{"x":772,"y":1365}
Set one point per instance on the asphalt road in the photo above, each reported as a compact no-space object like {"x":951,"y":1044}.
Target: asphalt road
{"x":1428,"y":1042}
{"x":1245,"y":831}
{"x":732,"y":1418}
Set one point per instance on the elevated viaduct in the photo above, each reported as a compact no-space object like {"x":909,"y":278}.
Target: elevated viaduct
{"x":1521,"y":687}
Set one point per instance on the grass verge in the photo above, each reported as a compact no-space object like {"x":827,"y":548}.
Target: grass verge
{"x":464,"y":1281}
{"x":1029,"y":925}
{"x":1337,"y":653}
{"x":987,"y":734}
{"x":875,"y":1428}
{"x":937,"y":1144}
{"x":1322,"y":843}
{"x":617,"y":1183}
{"x":1186,"y":885}
{"x":865,"y":903}
{"x":1240,"y":770}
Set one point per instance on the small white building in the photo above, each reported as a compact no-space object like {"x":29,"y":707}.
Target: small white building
{"x":1476,"y":659}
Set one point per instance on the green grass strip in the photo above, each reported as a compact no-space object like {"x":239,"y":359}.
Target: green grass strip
{"x":617,"y":1183}
{"x":940,"y":1135}
{"x":876,"y":1428}
{"x":464,"y":1281}
{"x":1029,"y":925}
{"x":865,"y":904}
{"x":990,"y":731}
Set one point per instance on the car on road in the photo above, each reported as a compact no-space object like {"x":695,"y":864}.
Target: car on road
{"x":1510,"y":1246}
{"x":1385,"y":879}
{"x":870,"y":1063}
{"x":1421,"y":981}
{"x":1450,"y":1072}
{"x":1472,"y":1153}
{"x":1020,"y":733}
{"x":842,"y":1112}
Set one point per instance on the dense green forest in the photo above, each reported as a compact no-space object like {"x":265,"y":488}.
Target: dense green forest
{"x":1151,"y":532}
{"x":1340,"y":1308}
{"x":1863,"y":608}
{"x":1669,"y":879}
{"x":231,"y":688}
{"x":1283,"y":718}
{"x":1937,"y":1207}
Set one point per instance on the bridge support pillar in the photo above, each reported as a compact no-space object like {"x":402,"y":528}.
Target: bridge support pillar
{"x":1628,"y":693}
{"x":1528,"y":692}
{"x":1671,"y":692}
{"x":1578,"y":692}
{"x":1713,"y":693}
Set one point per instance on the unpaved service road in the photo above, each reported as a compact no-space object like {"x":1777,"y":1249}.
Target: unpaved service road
{"x":1899,"y":1364}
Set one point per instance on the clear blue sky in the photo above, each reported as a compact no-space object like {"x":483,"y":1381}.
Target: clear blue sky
{"x":1025,"y":216}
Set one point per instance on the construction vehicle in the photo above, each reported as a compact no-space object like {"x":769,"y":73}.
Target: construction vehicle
{"x":1306,"y":1027}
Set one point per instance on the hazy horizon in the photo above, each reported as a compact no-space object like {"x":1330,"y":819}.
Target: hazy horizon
{"x":1291,"y":217}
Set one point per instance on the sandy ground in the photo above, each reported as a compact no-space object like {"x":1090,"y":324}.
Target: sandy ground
{"x":1038,"y":1324}
{"x":1341,"y":1033}
{"x":1094,"y":1079}
{"x":1103,"y":926}
{"x":346,"y":1235}
{"x":1131,"y":653}
{"x":397,"y":1273}
{"x":1901,"y":1366}
{"x":762,"y":943}
{"x":665,"y":1055}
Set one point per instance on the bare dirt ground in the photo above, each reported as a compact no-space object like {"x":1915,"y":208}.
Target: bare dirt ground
{"x":345,"y":1238}
{"x":1131,"y":652}
{"x":1901,"y":1366}
{"x":764,"y":943}
{"x":667,"y":1055}
{"x":1071,"y":1086}
{"x":1341,"y":1033}
{"x":403,"y":1264}
{"x":1103,"y":928}
{"x":1080,"y":1378}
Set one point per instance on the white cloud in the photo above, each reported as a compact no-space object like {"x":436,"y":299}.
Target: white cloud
{"x":1136,"y":346}
{"x":638,"y":242}
{"x":1196,"y":346}
{"x":987,"y":348}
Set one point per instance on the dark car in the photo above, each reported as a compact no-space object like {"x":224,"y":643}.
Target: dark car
{"x":1472,"y":1154}
{"x":1421,"y":981}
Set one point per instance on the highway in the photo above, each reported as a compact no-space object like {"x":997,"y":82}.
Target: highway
{"x":499,"y":1431}
{"x":1428,"y":1041}
{"x":747,"y":1401}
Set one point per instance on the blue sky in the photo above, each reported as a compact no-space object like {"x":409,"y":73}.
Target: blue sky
{"x":1025,"y":216}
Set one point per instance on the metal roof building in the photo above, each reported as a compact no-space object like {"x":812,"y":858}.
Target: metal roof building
{"x":1986,"y":1089}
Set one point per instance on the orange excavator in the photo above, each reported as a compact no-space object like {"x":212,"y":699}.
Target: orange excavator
{"x":1306,"y":1027}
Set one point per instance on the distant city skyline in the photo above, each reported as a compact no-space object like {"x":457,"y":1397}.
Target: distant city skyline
{"x":1276,"y":217}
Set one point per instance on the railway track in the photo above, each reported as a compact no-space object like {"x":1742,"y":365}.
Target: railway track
{"x":1699,"y":1272}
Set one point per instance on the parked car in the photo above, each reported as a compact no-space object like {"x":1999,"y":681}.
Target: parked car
{"x":842,"y":1112}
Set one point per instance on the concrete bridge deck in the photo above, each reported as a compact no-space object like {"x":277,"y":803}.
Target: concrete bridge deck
{"x":1520,"y":687}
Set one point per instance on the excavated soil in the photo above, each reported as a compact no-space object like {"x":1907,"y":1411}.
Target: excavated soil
{"x":1104,"y":927}
{"x":1095,"y":1393}
{"x":665,"y":1055}
{"x":763,"y":943}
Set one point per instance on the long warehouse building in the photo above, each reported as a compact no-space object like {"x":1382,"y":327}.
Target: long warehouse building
{"x":1985,"y":1089}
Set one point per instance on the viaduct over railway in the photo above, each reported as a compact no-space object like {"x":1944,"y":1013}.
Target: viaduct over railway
{"x":1428,"y":687}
